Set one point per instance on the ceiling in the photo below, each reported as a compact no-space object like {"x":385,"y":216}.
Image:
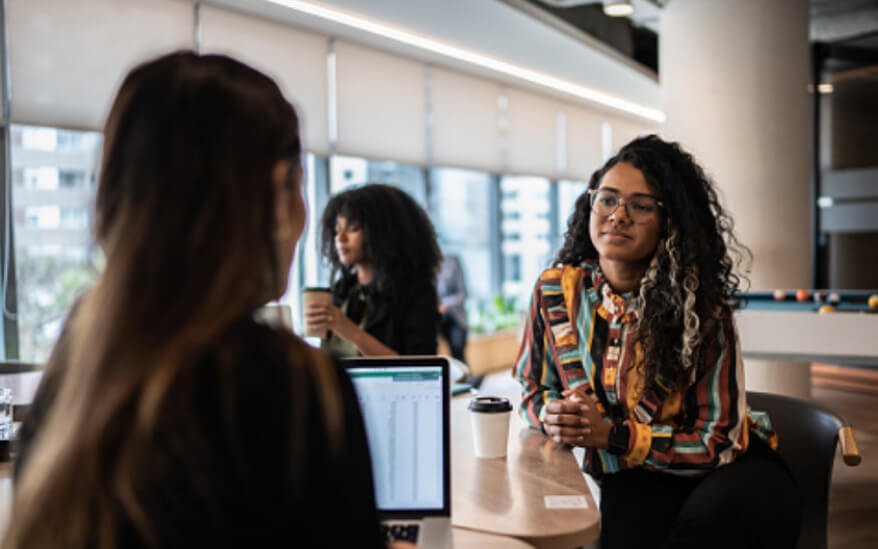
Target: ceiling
{"x":843,"y":20}
{"x":636,"y":36}
{"x":851,"y":23}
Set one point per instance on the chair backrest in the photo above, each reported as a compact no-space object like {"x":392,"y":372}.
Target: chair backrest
{"x":807,"y":436}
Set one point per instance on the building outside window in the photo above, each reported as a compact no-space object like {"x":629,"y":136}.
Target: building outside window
{"x":56,"y":258}
{"x":568,"y":192}
{"x":54,"y":182}
{"x":526,"y":235}
{"x":348,"y":171}
{"x":504,"y":232}
{"x":461,"y":211}
{"x":308,"y":268}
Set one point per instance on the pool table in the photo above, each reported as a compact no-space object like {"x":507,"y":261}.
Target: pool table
{"x":793,"y":331}
{"x":850,"y":301}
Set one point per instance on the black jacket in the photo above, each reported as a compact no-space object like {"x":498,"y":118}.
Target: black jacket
{"x":245,"y":458}
{"x":409,"y":326}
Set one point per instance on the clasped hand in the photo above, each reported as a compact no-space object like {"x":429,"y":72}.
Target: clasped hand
{"x":575,"y":420}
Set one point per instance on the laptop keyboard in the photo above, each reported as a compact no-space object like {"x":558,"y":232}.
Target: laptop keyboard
{"x":400,"y":532}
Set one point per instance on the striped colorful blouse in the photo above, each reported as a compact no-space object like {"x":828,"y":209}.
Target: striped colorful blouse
{"x":580,"y":336}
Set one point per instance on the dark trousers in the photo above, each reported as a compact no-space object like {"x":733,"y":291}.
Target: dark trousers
{"x":455,"y":334}
{"x":751,"y":503}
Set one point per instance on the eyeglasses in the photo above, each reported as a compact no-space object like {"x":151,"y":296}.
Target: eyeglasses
{"x":639,"y":207}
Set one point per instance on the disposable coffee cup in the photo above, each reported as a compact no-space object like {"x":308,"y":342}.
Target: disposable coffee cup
{"x":490,"y":421}
{"x":318,"y":295}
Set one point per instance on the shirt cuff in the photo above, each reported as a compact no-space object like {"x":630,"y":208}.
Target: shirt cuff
{"x":639,"y":443}
{"x":542,"y":416}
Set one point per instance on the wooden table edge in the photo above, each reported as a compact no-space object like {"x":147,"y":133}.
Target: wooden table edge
{"x":566,"y":541}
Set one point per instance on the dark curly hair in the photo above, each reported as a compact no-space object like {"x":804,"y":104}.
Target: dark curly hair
{"x":398,"y":241}
{"x":691,"y":276}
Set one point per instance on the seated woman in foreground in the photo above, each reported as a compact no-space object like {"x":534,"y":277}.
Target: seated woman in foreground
{"x":632,"y":353}
{"x":384,"y":256}
{"x":167,"y":416}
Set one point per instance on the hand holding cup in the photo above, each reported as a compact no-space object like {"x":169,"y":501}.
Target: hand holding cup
{"x":316,"y":303}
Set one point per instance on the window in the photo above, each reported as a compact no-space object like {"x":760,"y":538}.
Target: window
{"x":69,"y":140}
{"x":461,"y":211}
{"x":512,"y":267}
{"x":308,"y":268}
{"x":347,"y":171}
{"x":55,"y":256}
{"x":526,"y":235}
{"x":568,"y":192}
{"x":72,"y":179}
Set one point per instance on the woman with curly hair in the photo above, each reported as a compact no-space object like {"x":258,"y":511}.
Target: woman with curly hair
{"x":384,"y":257}
{"x":632,"y":353}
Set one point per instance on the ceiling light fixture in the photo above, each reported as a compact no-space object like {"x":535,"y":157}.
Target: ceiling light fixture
{"x":825,"y":88}
{"x":618,"y":8}
{"x":478,"y":59}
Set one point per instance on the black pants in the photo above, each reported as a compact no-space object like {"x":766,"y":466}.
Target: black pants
{"x":750,"y":503}
{"x":455,"y":334}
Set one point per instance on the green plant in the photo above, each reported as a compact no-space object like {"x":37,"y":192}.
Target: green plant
{"x":492,"y":316}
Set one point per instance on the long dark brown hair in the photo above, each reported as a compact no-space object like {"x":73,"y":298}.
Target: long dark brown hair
{"x":399,"y":241}
{"x":692,"y":274}
{"x":185,"y":216}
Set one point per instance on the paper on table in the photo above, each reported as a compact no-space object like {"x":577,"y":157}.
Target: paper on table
{"x":566,"y":502}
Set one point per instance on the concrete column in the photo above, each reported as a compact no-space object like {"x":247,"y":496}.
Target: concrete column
{"x":734,"y":77}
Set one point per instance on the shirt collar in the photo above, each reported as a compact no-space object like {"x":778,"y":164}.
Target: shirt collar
{"x":610,"y":303}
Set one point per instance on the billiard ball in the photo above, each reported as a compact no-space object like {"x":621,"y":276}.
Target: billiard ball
{"x":780,"y":295}
{"x":801,"y":295}
{"x":834,"y":298}
{"x":826,"y":309}
{"x":819,"y":297}
{"x":873,"y":301}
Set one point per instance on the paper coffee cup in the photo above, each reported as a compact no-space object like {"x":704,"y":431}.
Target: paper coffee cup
{"x":490,"y":422}
{"x":322,"y":296}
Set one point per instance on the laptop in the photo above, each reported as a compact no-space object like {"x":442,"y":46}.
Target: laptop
{"x":404,"y":401}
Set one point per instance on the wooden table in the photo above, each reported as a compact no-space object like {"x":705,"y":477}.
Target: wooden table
{"x":506,"y":495}
{"x":470,"y":539}
{"x":463,"y":538}
{"x":494,"y":501}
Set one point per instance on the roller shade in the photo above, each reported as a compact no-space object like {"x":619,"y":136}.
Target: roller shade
{"x":464,"y":121}
{"x":67,"y":59}
{"x":380,"y":105}
{"x":531,"y":134}
{"x":625,"y":130}
{"x":295,"y":58}
{"x":583,"y":131}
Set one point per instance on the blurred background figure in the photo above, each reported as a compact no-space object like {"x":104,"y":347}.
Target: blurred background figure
{"x":452,"y":312}
{"x":384,"y":258}
{"x":168,"y":416}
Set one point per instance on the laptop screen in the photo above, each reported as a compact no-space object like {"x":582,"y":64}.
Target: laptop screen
{"x":404,"y":408}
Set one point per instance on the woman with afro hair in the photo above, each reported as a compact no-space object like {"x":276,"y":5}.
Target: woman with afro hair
{"x":631,"y":352}
{"x":384,"y":257}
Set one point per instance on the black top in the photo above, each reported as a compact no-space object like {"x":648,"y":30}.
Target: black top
{"x":223,"y":479}
{"x":409,"y":326}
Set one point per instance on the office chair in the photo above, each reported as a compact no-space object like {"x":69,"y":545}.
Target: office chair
{"x":808,"y":434}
